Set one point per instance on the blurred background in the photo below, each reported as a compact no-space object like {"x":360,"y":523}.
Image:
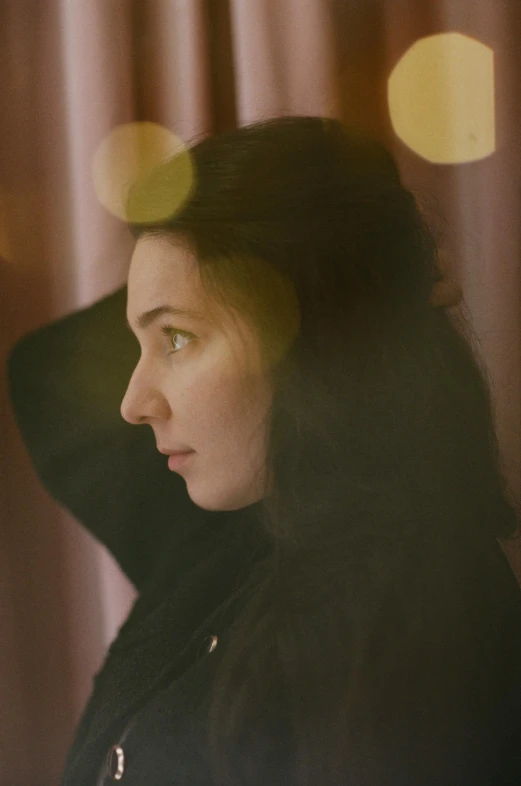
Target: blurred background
{"x":436,"y":80}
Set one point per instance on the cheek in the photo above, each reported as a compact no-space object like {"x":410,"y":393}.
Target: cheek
{"x":233,"y":407}
{"x":220,"y":408}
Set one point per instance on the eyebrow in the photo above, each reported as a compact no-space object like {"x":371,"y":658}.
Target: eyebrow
{"x":148,"y":317}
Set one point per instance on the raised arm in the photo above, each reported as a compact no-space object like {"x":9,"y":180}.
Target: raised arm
{"x":66,"y":383}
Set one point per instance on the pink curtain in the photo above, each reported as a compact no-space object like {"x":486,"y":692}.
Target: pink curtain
{"x":73,"y":70}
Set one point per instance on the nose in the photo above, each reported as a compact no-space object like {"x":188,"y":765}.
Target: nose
{"x":143,"y":402}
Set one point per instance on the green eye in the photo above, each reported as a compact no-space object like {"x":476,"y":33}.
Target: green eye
{"x":178,"y":338}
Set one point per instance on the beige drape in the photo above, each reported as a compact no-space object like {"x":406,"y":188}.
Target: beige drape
{"x":72,"y":70}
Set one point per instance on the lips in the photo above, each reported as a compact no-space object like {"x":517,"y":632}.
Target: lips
{"x":178,"y":458}
{"x":174,"y":451}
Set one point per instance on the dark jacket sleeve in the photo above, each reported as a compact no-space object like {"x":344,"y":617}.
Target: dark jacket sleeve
{"x":66,"y":383}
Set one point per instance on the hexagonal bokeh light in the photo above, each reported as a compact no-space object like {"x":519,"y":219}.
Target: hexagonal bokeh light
{"x":130,"y":152}
{"x":441,"y":99}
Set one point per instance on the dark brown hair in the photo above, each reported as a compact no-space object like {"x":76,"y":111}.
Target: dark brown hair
{"x":383,"y":451}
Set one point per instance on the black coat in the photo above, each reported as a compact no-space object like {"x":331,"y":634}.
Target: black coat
{"x":192,"y":568}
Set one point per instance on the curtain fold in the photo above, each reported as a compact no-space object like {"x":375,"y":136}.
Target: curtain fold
{"x":283,"y":58}
{"x":174,"y":76}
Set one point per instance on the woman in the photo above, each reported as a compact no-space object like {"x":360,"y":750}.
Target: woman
{"x":325,"y":601}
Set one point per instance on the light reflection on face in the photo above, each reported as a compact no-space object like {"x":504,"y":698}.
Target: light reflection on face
{"x":199,"y":382}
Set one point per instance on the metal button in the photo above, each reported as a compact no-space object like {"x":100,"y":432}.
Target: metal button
{"x":116,"y":763}
{"x":212,"y":643}
{"x":208,"y":646}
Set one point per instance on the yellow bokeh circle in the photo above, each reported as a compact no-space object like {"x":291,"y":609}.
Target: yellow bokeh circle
{"x":441,"y":99}
{"x":131,"y":152}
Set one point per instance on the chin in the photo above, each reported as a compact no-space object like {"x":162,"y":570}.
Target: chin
{"x":211,"y":499}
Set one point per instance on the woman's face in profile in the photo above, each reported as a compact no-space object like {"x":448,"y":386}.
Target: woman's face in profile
{"x":199,"y":382}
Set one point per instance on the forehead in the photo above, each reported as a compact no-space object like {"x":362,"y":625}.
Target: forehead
{"x":163,"y":270}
